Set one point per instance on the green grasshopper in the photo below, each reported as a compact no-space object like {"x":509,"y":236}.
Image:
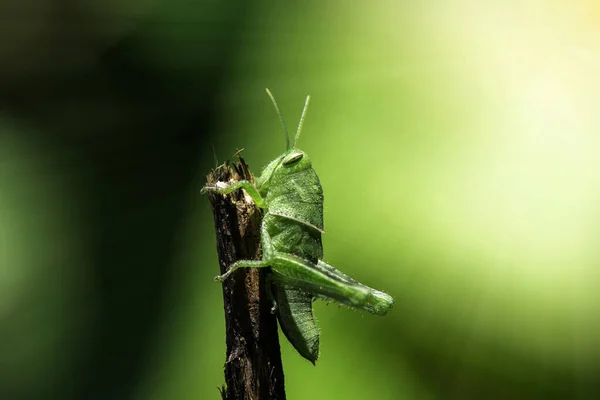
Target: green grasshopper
{"x":289,"y":192}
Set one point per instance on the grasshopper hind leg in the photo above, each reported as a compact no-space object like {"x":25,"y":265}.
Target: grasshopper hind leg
{"x":326,"y":282}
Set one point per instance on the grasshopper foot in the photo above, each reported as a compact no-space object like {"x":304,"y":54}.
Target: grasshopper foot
{"x":219,"y":188}
{"x":207,"y":189}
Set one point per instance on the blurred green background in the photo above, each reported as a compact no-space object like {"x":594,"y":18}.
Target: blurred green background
{"x":457,"y":144}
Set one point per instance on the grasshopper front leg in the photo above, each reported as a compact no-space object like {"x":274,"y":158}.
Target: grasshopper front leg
{"x":226,"y":188}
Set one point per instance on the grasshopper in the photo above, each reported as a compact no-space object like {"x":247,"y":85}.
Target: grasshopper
{"x":289,"y":192}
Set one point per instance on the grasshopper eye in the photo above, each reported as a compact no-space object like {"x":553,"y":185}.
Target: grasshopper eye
{"x":292,"y":158}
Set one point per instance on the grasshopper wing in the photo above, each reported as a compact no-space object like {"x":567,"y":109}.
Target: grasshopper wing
{"x":295,"y":315}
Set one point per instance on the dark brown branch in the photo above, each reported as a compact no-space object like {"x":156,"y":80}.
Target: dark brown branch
{"x":253,"y":368}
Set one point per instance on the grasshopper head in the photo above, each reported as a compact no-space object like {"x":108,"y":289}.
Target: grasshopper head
{"x":292,"y":161}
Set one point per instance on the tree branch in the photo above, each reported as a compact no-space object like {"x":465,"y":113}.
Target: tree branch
{"x":253,"y":368}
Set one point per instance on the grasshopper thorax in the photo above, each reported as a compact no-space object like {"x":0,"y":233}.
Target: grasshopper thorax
{"x":294,"y":190}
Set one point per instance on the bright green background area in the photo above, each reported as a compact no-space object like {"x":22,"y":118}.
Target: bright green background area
{"x":458,"y":150}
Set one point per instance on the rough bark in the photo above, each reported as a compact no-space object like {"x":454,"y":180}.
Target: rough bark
{"x":253,"y":368}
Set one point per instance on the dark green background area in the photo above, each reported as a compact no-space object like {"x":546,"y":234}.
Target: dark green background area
{"x":457,"y":150}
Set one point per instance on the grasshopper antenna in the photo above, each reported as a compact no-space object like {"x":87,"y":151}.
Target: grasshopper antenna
{"x":215,"y":155}
{"x":301,"y":120}
{"x":287,"y":137}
